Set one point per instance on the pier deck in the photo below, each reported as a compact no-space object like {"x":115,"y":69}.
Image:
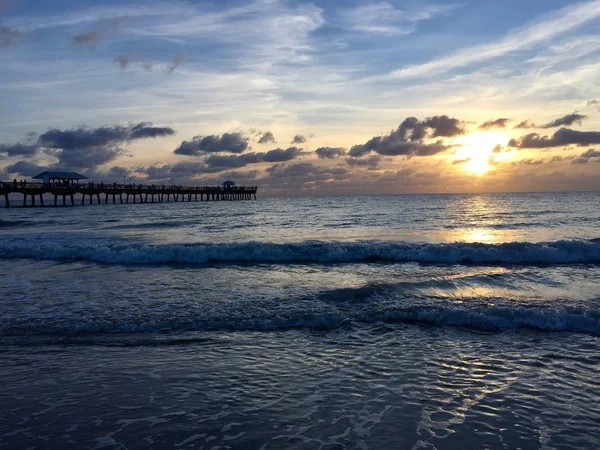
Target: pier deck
{"x":119,"y":193}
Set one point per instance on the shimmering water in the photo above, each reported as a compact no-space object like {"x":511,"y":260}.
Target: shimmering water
{"x":336,"y":322}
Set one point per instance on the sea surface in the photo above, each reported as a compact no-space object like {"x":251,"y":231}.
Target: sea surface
{"x":376,"y":322}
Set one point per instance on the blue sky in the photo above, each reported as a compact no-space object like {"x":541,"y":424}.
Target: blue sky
{"x":337,"y":73}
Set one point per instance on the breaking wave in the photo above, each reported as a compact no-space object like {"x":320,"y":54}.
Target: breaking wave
{"x":492,"y":319}
{"x":101,"y":251}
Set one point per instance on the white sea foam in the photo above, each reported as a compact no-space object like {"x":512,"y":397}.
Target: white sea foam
{"x":558,"y":252}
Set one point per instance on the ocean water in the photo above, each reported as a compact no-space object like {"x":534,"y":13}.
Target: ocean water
{"x":376,"y":322}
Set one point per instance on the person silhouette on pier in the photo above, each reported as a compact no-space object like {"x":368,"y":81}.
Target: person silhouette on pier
{"x":15,"y":183}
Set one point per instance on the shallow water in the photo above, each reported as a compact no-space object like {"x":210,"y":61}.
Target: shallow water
{"x":337,"y":322}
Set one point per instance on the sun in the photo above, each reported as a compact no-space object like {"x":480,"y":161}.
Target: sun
{"x":476,"y":150}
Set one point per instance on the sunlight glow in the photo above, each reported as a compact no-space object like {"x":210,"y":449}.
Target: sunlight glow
{"x":477,"y":149}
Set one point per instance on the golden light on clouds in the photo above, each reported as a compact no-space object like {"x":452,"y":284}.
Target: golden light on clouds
{"x":476,"y":149}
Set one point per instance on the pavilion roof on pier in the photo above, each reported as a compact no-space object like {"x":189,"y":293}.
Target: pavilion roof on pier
{"x":52,"y":175}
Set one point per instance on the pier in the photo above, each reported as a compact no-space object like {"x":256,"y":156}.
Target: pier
{"x":64,"y":194}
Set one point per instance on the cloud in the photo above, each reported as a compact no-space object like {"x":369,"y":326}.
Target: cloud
{"x":592,"y":103}
{"x":563,"y":137}
{"x":530,"y":162}
{"x":236,"y":175}
{"x":216,"y":163}
{"x":299,"y":139}
{"x":90,"y":157}
{"x":267,"y":138}
{"x":118,"y":172}
{"x":330,"y":152}
{"x":19,"y":149}
{"x":200,"y":145}
{"x":8,"y":36}
{"x":525,"y":124}
{"x":24,"y":168}
{"x":279,"y":155}
{"x":307,"y":171}
{"x":177,"y":61}
{"x":498,"y":149}
{"x":584,"y":158}
{"x":408,"y":138}
{"x":498,"y":123}
{"x":126,"y":60}
{"x":86,"y":38}
{"x":84,"y":147}
{"x":457,"y":162}
{"x":123,"y":60}
{"x":372,"y":162}
{"x":91,"y":38}
{"x":560,"y":22}
{"x":82,"y":138}
{"x":567,"y":120}
{"x":384,"y":19}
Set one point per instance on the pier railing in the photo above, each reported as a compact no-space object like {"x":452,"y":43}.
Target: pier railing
{"x":123,"y":192}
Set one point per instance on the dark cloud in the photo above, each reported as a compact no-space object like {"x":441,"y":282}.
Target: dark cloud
{"x":177,"y":61}
{"x":24,"y":168}
{"x":299,"y":139}
{"x":157,"y":172}
{"x":567,"y":120}
{"x":84,"y":147}
{"x":236,"y":175}
{"x":390,"y":146}
{"x":330,"y":152}
{"x":442,"y":126}
{"x":82,"y":138}
{"x":91,"y":38}
{"x":498,"y":149}
{"x":8,"y":36}
{"x":563,"y":137}
{"x":123,"y":60}
{"x":90,"y":157}
{"x":530,"y":162}
{"x":145,"y":130}
{"x":126,"y":60}
{"x":371,"y":162}
{"x":557,"y":158}
{"x":19,"y":149}
{"x":456,"y":162}
{"x":200,"y":145}
{"x":86,"y":38}
{"x":118,"y":172}
{"x":498,"y":123}
{"x":307,"y":172}
{"x":584,"y":158}
{"x":408,"y":138}
{"x":591,"y":154}
{"x":188,"y":167}
{"x":267,"y":138}
{"x":525,"y":124}
{"x":279,"y":155}
{"x":216,"y":163}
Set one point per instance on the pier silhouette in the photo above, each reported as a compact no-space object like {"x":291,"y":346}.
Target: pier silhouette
{"x":93,"y":193}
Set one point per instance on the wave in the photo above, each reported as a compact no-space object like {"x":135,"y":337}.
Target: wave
{"x":491,"y":319}
{"x":101,"y":251}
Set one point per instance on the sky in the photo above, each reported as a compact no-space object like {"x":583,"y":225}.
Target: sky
{"x":305,"y":97}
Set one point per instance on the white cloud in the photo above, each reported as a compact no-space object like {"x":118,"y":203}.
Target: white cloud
{"x":383,"y":18}
{"x":550,"y":26}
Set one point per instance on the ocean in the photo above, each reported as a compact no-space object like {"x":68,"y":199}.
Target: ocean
{"x":375,"y":322}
